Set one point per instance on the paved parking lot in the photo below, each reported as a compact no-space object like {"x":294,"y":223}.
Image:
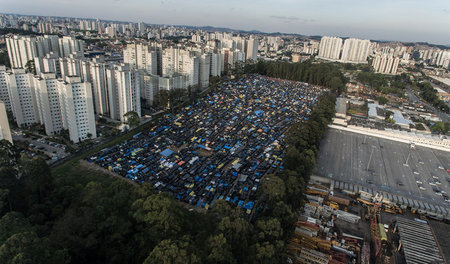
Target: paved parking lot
{"x":44,"y":147}
{"x":385,"y":164}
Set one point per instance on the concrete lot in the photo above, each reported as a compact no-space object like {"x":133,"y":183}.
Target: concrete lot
{"x":46,"y":148}
{"x":381,"y":164}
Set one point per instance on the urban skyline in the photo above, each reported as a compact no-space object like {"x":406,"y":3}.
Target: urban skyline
{"x":152,"y":141}
{"x":387,"y":21}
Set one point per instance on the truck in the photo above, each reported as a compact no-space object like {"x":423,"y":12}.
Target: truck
{"x":339,"y":200}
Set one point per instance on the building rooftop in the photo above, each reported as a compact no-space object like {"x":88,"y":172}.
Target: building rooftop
{"x":341,"y":106}
{"x":400,"y":119}
{"x":376,"y":110}
{"x":419,"y":242}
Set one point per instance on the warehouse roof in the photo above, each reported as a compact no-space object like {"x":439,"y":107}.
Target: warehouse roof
{"x":419,"y":243}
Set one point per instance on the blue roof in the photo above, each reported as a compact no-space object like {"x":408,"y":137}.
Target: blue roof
{"x":259,"y":113}
{"x":166,"y":152}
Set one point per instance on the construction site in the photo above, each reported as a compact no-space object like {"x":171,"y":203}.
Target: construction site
{"x":340,"y":226}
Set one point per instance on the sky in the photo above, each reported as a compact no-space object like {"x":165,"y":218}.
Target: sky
{"x":402,"y":20}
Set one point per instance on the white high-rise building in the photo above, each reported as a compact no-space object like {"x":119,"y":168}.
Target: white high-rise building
{"x":4,"y":90}
{"x":204,"y":70}
{"x":49,"y":63}
{"x":168,"y":83}
{"x":385,"y":63}
{"x":77,"y":108}
{"x":443,"y":59}
{"x":150,"y":88}
{"x":141,"y":56}
{"x":355,"y":50}
{"x":51,"y":44}
{"x":176,"y":61}
{"x":48,"y":102}
{"x":252,"y":49}
{"x":196,"y":38}
{"x":142,"y":28}
{"x":330,"y":48}
{"x":21,"y":49}
{"x":124,"y":91}
{"x":22,"y":96}
{"x":189,"y":66}
{"x":99,"y":87}
{"x":170,"y":61}
{"x":5,"y":132}
{"x":70,"y":66}
{"x":240,"y":43}
{"x":216,"y":65}
{"x":70,"y":45}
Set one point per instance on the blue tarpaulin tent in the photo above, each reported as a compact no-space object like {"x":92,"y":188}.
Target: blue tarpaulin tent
{"x":166,"y":152}
{"x":259,"y":113}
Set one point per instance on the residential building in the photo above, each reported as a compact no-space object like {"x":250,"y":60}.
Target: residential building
{"x":48,"y":102}
{"x":5,"y":132}
{"x":204,"y":70}
{"x":22,"y":49}
{"x":141,"y":56}
{"x":168,"y":83}
{"x":385,"y":63}
{"x":252,"y":49}
{"x":22,"y":97}
{"x":77,"y":108}
{"x":98,"y":80}
{"x":150,"y":88}
{"x":355,"y":50}
{"x":4,"y":91}
{"x":330,"y":48}
{"x":124,"y":91}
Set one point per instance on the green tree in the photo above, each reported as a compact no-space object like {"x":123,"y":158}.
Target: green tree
{"x":285,"y":216}
{"x":37,"y":176}
{"x":273,"y":188}
{"x":27,"y":247}
{"x":219,"y":250}
{"x":4,"y":59}
{"x":162,"y":98}
{"x":295,"y":186}
{"x":13,"y":223}
{"x":382,"y":100}
{"x":132,"y":118}
{"x":439,"y":127}
{"x":160,"y":213}
{"x":267,"y":252}
{"x":336,"y":84}
{"x":238,"y":233}
{"x":269,"y":229}
{"x":10,"y":174}
{"x":30,"y":67}
{"x":292,"y":158}
{"x":172,"y":252}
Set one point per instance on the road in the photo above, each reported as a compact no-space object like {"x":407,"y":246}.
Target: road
{"x":413,"y":97}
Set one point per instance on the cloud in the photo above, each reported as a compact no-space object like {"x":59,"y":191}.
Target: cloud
{"x":284,"y":18}
{"x":290,"y":19}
